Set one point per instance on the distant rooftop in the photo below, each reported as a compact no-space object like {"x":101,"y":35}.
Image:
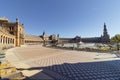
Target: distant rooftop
{"x":29,"y":36}
{"x":4,"y":19}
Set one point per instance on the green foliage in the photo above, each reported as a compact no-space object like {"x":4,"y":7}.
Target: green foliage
{"x":4,"y":48}
{"x":114,"y":49}
{"x":7,"y":47}
{"x":2,"y":52}
{"x":104,"y":48}
{"x":115,"y":39}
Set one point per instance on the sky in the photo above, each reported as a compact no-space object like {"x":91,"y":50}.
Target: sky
{"x":68,"y":18}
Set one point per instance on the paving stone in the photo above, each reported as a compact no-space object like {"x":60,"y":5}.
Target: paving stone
{"x":104,"y":70}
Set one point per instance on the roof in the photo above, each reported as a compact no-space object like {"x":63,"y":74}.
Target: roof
{"x":4,"y":19}
{"x":32,"y":37}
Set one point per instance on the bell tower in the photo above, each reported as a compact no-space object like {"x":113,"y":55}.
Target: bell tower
{"x":105,"y":33}
{"x":105,"y":38}
{"x":19,"y":33}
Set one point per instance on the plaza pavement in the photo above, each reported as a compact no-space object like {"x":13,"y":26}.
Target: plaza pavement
{"x":39,"y":62}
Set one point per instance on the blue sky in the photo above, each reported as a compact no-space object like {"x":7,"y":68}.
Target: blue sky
{"x":67,"y":18}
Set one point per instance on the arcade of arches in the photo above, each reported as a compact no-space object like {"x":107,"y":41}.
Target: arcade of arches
{"x":6,"y":39}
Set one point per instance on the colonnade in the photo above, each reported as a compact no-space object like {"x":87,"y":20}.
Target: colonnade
{"x":6,"y":39}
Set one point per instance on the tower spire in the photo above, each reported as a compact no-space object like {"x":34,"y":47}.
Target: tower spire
{"x":105,"y":30}
{"x":43,"y":32}
{"x":105,"y":38}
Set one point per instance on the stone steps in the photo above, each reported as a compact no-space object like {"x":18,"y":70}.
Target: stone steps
{"x":7,"y":71}
{"x":16,"y":75}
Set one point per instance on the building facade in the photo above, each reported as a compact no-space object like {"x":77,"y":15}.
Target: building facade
{"x":12,"y":29}
{"x":105,"y":38}
{"x":12,"y":34}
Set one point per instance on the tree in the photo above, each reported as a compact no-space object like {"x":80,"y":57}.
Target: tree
{"x":116,"y":39}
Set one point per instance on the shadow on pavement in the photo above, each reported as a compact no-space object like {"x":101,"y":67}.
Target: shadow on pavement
{"x":103,"y":70}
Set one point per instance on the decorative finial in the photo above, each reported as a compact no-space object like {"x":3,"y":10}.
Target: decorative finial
{"x":17,"y":20}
